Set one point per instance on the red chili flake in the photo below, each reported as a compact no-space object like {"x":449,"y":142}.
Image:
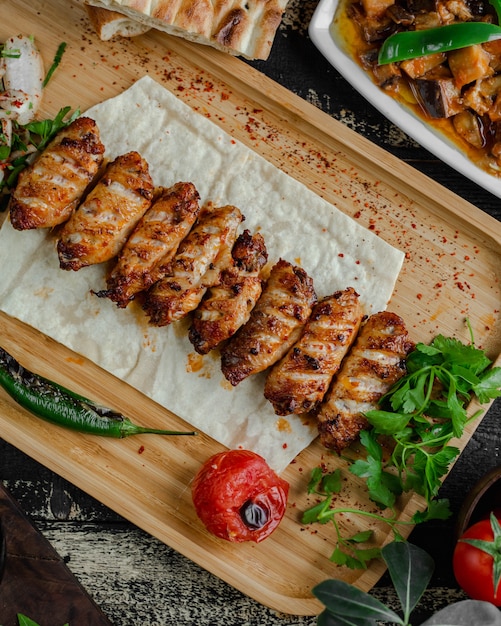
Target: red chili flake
{"x":419,"y":296}
{"x":141,"y":450}
{"x":284,"y":446}
{"x":341,"y":254}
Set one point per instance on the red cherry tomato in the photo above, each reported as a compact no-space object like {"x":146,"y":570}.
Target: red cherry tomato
{"x":238,"y":497}
{"x":473,"y":567}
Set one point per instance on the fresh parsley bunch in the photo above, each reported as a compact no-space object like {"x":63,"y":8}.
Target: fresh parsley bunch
{"x":418,"y":419}
{"x":427,"y":408}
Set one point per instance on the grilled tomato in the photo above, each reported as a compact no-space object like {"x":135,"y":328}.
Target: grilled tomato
{"x":238,"y":497}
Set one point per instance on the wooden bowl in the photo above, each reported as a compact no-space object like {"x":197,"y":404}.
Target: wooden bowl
{"x":483,"y":498}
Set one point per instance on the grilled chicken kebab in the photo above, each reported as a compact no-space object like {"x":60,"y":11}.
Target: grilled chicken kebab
{"x":227,"y":306}
{"x":375,"y":362}
{"x":99,"y":228}
{"x":298,"y":383}
{"x":49,"y":189}
{"x":274,"y":325}
{"x":186,"y":259}
{"x":197,"y":265}
{"x":147,"y":253}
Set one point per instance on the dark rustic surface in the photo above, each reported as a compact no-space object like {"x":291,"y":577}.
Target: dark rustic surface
{"x":35,"y":579}
{"x":135,"y":579}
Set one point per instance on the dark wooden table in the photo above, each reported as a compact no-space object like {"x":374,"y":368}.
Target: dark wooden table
{"x":137,"y":580}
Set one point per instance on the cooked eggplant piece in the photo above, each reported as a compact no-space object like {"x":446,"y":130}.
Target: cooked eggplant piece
{"x":467,"y":126}
{"x":421,"y":6}
{"x":415,"y":68}
{"x":481,"y":96}
{"x":469,"y":64}
{"x":376,"y":8}
{"x":438,"y":97}
{"x":400,"y":15}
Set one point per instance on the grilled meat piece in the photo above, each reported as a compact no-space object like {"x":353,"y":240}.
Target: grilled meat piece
{"x":274,"y":325}
{"x":51,"y":187}
{"x":99,"y":228}
{"x":298,"y":383}
{"x":145,"y":257}
{"x":374,"y":364}
{"x":196,"y":266}
{"x":227,"y":306}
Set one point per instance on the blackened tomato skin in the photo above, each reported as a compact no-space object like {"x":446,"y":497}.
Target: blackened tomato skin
{"x":229,"y":480}
{"x":473,"y":567}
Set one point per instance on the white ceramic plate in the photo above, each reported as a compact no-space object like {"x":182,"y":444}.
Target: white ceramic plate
{"x":401,"y":116}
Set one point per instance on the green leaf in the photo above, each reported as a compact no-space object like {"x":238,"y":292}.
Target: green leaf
{"x":437,"y":509}
{"x":315,"y":478}
{"x":332,"y":483}
{"x":410,"y":569}
{"x":363,"y":535}
{"x":387,"y":422}
{"x":57,"y":60}
{"x":25,"y":621}
{"x":318,"y":513}
{"x":489,"y":386}
{"x":346,"y":601}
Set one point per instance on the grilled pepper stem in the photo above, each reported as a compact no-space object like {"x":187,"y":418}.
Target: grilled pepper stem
{"x":61,"y":406}
{"x":417,"y":43}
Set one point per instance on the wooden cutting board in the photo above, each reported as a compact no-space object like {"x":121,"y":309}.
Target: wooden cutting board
{"x":36,"y":581}
{"x":452,"y":271}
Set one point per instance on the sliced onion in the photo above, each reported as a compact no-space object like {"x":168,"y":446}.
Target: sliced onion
{"x":23,"y":78}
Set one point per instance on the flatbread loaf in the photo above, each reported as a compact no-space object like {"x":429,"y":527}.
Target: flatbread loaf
{"x":240,"y":27}
{"x":109,"y":24}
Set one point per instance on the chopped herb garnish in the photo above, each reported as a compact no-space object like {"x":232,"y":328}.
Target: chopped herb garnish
{"x":57,"y":60}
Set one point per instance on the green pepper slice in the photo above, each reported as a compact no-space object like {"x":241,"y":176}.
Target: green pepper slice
{"x":407,"y":45}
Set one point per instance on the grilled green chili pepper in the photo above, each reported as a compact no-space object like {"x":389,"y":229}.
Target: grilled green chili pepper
{"x":61,"y":406}
{"x":417,"y":43}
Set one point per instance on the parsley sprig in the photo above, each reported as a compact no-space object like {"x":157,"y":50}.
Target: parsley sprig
{"x":418,"y":419}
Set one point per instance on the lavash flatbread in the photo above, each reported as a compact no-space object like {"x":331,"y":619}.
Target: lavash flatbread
{"x":240,"y":27}
{"x":297,"y":225}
